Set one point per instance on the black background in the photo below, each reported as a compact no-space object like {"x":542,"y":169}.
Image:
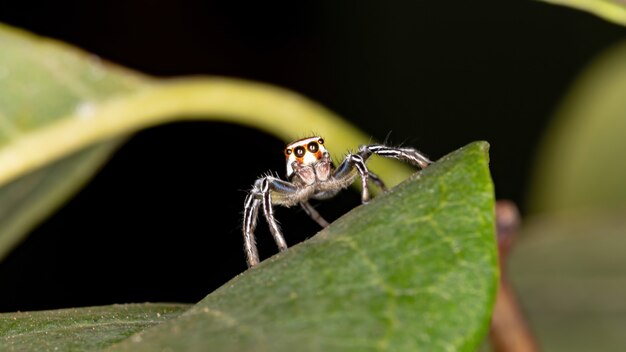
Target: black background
{"x":161,"y":221}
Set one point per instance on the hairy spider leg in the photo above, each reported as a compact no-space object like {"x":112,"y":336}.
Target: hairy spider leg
{"x":313,"y":214}
{"x":377,"y":181}
{"x":358,"y":162}
{"x":345,"y":170}
{"x":268,"y":211}
{"x":406,"y":154}
{"x":266,"y":192}
{"x":250,"y":214}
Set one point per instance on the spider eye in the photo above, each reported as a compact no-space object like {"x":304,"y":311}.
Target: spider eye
{"x":299,"y":151}
{"x":288,"y":151}
{"x":313,"y":147}
{"x":320,"y":141}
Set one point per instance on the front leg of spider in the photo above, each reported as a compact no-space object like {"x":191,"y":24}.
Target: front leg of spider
{"x":353,"y":165}
{"x":410,"y":155}
{"x":266,"y":192}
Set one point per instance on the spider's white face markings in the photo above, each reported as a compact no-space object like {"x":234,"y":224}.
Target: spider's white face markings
{"x":304,"y":152}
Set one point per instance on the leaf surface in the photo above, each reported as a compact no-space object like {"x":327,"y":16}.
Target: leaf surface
{"x":80,"y":329}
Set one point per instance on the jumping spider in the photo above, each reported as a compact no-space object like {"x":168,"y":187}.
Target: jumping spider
{"x":311,"y":174}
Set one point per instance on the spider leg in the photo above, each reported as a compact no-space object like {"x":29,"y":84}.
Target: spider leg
{"x":250,"y":214}
{"x":406,"y":154}
{"x":266,"y":192}
{"x":268,"y":211}
{"x":310,"y":211}
{"x":345,"y":172}
{"x":377,"y":181}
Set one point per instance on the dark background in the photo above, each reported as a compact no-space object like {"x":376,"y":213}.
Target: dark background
{"x":161,"y":221}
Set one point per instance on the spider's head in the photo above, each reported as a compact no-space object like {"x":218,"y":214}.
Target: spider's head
{"x":306,"y":151}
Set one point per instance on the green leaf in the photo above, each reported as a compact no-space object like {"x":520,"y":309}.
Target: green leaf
{"x":569,"y":271}
{"x":82,"y":328}
{"x":610,"y":10}
{"x":63,"y":112}
{"x":415,"y":269}
{"x":581,"y":163}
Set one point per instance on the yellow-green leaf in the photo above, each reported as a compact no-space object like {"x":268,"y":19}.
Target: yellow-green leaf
{"x":581,"y":162}
{"x":63,"y":112}
{"x":610,"y":10}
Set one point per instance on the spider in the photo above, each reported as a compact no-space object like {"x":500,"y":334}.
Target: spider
{"x":312,"y":175}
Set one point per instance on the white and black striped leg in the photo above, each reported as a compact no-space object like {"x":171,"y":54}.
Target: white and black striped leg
{"x":377,"y":181}
{"x":406,"y":154}
{"x":346,"y":168}
{"x":250,"y":214}
{"x":268,"y":211}
{"x":310,"y":211}
{"x":359,"y":163}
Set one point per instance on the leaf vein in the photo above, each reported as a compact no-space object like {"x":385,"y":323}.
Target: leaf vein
{"x":392,"y":318}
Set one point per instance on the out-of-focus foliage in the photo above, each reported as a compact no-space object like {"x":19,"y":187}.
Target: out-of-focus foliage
{"x":582,"y":163}
{"x":570,"y":274}
{"x":569,"y":267}
{"x":610,"y":10}
{"x":63,"y":112}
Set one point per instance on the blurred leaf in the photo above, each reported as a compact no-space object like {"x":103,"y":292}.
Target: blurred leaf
{"x":42,"y":81}
{"x":413,"y":270}
{"x":610,"y":10}
{"x":29,"y":199}
{"x":63,"y":112}
{"x":570,"y":273}
{"x":80,"y":329}
{"x":581,"y":163}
